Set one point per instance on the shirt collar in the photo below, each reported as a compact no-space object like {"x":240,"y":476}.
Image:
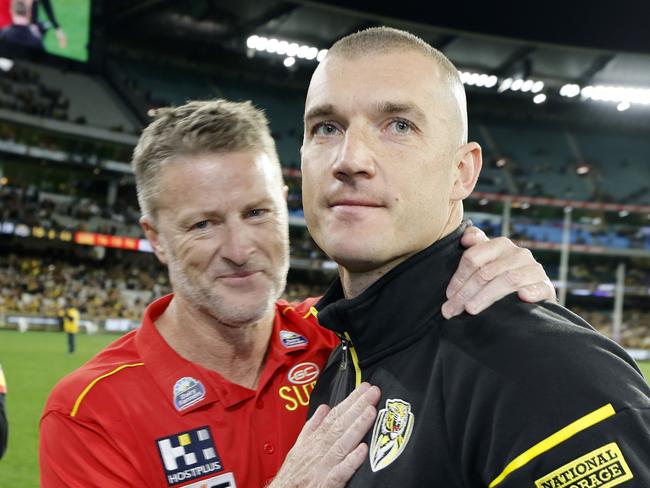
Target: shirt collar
{"x":168,"y":368}
{"x":387,"y":314}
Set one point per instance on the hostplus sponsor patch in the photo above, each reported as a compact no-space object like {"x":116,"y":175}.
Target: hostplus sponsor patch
{"x":189,"y":455}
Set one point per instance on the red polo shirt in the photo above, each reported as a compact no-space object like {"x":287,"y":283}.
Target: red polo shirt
{"x":138,"y":414}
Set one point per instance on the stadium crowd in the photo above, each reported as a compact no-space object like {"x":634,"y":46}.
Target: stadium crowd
{"x":41,"y":286}
{"x":24,"y":91}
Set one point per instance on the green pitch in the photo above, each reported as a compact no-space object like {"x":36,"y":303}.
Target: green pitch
{"x":74,"y":18}
{"x":33,"y":362}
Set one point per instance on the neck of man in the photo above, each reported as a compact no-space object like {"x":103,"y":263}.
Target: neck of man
{"x":355,"y":283}
{"x":238,"y":353}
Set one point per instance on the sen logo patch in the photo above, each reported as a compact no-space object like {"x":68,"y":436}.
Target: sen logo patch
{"x":303,"y":373}
{"x":187,"y":392}
{"x":292,"y":339}
{"x":392,"y":431}
{"x":226,"y":480}
{"x":601,"y":468}
{"x":188,"y":455}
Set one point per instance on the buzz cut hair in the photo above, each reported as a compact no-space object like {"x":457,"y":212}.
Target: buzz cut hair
{"x":198,"y":127}
{"x":378,"y":40}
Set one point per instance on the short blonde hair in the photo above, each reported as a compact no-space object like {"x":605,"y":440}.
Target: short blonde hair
{"x":214,"y":126}
{"x":378,"y":40}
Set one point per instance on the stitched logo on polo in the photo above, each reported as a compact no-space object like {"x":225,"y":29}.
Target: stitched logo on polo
{"x":188,"y":455}
{"x":292,"y":339}
{"x":187,"y":392}
{"x":392,"y":431}
{"x":601,"y":468}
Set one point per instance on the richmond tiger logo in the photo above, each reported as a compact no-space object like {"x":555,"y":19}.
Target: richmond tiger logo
{"x":391,"y":433}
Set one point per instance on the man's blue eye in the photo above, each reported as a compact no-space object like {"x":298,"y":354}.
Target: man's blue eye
{"x":402,"y":126}
{"x":257,"y":212}
{"x":325,"y":129}
{"x":200,"y":225}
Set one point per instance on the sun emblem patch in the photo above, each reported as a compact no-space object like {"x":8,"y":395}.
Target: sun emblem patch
{"x":392,"y":431}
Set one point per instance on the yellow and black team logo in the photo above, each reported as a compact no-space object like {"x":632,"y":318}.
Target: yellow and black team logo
{"x":391,"y":433}
{"x":604,"y":467}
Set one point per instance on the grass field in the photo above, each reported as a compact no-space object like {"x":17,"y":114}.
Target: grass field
{"x":33,"y":362}
{"x":74,"y":18}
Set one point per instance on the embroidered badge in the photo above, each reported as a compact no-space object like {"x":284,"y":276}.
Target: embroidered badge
{"x":291,"y":339}
{"x":603,"y":468}
{"x":189,"y":455}
{"x":303,"y":373}
{"x":187,"y":392}
{"x":392,"y":431}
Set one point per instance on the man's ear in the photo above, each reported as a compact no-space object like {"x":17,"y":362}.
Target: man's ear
{"x":468,"y":162}
{"x":151,"y":233}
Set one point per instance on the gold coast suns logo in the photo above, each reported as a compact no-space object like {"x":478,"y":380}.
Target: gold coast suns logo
{"x":391,"y":433}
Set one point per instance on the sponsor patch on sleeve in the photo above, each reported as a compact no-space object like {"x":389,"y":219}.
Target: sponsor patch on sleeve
{"x":601,"y":468}
{"x":189,"y":455}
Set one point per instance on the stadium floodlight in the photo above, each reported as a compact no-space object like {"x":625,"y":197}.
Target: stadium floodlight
{"x":538,"y":86}
{"x":505,"y":85}
{"x":251,"y":42}
{"x":527,"y":85}
{"x":302,"y":51}
{"x":292,"y":50}
{"x":282,"y":47}
{"x":539,"y":98}
{"x":583,"y":169}
{"x":570,"y":90}
{"x":312,"y":53}
{"x":6,"y":64}
{"x":261,"y":43}
{"x":491,"y":81}
{"x":478,"y":79}
{"x":623,"y":96}
{"x":272,"y":46}
{"x":517,"y":84}
{"x":289,"y":62}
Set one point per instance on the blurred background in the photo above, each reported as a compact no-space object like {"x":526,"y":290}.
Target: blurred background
{"x":559,"y":100}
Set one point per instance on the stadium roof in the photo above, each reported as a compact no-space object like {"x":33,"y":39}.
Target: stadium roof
{"x":600,"y":43}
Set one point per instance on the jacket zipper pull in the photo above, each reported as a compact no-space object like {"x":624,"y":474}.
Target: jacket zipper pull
{"x":345,"y":348}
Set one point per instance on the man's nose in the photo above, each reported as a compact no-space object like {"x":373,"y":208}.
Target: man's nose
{"x":237,"y":246}
{"x":356,"y":158}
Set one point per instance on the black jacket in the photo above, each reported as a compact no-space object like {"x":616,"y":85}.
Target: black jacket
{"x":518,"y":396}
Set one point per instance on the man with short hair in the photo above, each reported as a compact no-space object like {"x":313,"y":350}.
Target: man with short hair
{"x":519,"y":395}
{"x":214,"y":386}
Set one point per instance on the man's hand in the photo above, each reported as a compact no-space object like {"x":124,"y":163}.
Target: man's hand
{"x":329,"y":449}
{"x":491,"y":269}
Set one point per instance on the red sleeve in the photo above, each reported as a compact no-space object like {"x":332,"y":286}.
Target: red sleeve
{"x":80,"y":454}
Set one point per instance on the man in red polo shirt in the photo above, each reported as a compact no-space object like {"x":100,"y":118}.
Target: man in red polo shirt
{"x":212,"y":390}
